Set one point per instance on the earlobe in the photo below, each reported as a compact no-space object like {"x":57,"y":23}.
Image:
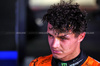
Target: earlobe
{"x":81,"y":37}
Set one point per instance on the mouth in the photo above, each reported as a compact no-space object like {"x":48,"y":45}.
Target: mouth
{"x":56,"y":51}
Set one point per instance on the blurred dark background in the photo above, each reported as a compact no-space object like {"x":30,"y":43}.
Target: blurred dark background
{"x":22,"y":30}
{"x":7,"y":40}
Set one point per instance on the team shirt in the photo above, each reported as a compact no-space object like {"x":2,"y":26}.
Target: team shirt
{"x":81,"y":60}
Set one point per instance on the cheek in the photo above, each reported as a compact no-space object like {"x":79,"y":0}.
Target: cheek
{"x":66,"y":45}
{"x":69,"y":45}
{"x":50,"y":40}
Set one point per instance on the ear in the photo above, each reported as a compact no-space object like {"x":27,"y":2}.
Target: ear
{"x":81,"y":36}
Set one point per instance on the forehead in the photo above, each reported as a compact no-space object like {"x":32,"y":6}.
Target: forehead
{"x":53,"y":31}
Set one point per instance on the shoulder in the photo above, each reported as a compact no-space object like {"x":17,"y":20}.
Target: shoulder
{"x":41,"y":60}
{"x":91,"y":62}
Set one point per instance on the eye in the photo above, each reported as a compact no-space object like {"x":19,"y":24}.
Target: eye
{"x":50,"y":35}
{"x":63,"y":38}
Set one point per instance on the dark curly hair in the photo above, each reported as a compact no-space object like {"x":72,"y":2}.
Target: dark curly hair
{"x":66,"y":16}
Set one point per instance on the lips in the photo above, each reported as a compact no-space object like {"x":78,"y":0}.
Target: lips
{"x":56,"y":51}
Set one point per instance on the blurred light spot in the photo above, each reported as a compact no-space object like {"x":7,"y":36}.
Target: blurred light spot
{"x":39,"y":22}
{"x":42,"y":2}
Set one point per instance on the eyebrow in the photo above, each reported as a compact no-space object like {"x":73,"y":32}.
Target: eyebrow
{"x":57,"y":36}
{"x":62,"y":37}
{"x":48,"y":33}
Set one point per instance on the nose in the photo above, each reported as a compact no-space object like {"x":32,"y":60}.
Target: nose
{"x":56,"y":43}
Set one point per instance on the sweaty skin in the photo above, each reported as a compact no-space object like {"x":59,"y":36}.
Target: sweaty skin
{"x":64,"y":46}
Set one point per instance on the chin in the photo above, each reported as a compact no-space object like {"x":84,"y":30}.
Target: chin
{"x":57,"y":56}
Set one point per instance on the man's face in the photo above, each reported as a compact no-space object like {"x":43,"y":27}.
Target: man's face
{"x":63,"y":45}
